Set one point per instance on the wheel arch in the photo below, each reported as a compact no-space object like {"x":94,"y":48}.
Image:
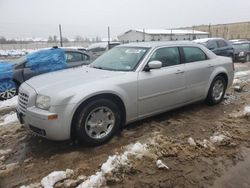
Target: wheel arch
{"x":214,"y":75}
{"x":113,"y":97}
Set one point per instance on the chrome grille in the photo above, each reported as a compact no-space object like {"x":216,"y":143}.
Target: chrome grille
{"x":22,"y":102}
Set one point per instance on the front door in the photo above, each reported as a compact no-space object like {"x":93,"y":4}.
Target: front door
{"x":164,"y":88}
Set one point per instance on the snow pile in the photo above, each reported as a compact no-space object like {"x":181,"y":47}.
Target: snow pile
{"x":56,"y":176}
{"x":113,"y":163}
{"x":241,"y":74}
{"x":161,"y":165}
{"x":237,"y":81}
{"x":191,"y":141}
{"x":33,"y":185}
{"x":217,"y":139}
{"x":9,"y":103}
{"x":247,"y":111}
{"x":229,"y":99}
{"x":16,"y":53}
{"x":5,"y":152}
{"x":9,"y":118}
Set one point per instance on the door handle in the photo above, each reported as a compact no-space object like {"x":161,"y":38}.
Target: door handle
{"x":179,"y":72}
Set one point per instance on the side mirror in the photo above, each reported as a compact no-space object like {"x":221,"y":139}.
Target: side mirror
{"x":154,"y":65}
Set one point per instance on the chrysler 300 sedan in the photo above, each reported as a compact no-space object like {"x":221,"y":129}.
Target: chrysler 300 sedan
{"x":128,"y":83}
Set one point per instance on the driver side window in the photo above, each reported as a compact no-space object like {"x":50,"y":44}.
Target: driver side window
{"x":168,"y":56}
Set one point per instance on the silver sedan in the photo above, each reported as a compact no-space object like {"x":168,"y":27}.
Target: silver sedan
{"x":126,"y":84}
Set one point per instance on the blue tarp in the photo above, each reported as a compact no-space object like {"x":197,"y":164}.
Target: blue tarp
{"x":6,"y":71}
{"x":47,"y":60}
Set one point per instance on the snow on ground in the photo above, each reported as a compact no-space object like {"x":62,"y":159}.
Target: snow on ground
{"x":216,"y":138}
{"x":9,"y":118}
{"x":113,"y":163}
{"x":5,"y":152}
{"x":246,"y":111}
{"x":9,"y":103}
{"x":56,"y":176}
{"x":241,"y":74}
{"x":15,"y":53}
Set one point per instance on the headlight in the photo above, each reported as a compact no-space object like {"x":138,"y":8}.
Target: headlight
{"x":241,"y":54}
{"x":43,"y":102}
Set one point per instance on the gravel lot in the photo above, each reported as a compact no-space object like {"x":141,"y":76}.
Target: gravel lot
{"x":194,"y":146}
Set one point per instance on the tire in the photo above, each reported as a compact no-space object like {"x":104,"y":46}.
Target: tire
{"x":8,"y":89}
{"x":216,"y":91}
{"x":248,"y":58}
{"x":105,"y":117}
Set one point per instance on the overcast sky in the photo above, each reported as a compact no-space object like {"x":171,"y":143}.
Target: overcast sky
{"x":90,"y":18}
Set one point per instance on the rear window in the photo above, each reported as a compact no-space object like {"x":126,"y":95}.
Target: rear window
{"x":193,"y":54}
{"x":221,"y":43}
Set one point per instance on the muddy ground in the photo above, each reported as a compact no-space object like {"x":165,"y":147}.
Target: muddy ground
{"x":27,"y":159}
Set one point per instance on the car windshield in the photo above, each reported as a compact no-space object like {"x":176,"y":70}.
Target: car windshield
{"x":241,"y":47}
{"x":120,"y":59}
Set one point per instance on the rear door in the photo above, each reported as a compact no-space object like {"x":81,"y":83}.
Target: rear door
{"x":198,"y":70}
{"x":161,"y":89}
{"x":224,"y":49}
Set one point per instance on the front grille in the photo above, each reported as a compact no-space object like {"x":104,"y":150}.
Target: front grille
{"x":38,"y":131}
{"x":23,"y":99}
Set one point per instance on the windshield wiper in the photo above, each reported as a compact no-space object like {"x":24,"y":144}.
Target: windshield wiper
{"x":96,"y":67}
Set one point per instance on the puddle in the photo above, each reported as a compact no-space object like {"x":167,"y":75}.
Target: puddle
{"x":237,"y":176}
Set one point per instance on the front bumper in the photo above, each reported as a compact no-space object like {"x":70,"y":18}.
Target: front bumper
{"x":238,"y":58}
{"x":38,"y":121}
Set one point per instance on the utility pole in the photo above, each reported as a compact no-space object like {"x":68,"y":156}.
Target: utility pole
{"x":171,"y":33}
{"x":108,"y":38}
{"x":60,"y":30}
{"x":143,"y":35}
{"x":209,"y":30}
{"x":193,"y":37}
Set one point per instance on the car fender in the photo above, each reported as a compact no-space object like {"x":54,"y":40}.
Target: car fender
{"x":117,"y":91}
{"x":216,"y":71}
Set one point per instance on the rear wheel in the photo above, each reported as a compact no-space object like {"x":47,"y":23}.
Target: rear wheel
{"x":8,"y":89}
{"x":98,"y":121}
{"x":216,"y":91}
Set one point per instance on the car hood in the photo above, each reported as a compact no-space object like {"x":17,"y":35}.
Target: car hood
{"x":69,"y":78}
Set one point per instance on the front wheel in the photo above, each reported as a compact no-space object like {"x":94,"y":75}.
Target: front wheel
{"x":216,"y":91}
{"x":98,"y":121}
{"x":8,"y":89}
{"x":248,"y":58}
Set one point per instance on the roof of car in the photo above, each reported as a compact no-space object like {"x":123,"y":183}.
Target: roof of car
{"x":206,"y":39}
{"x":241,"y":42}
{"x":158,"y":43}
{"x":70,"y":49}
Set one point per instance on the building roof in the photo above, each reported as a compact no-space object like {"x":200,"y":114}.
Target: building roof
{"x":168,"y":31}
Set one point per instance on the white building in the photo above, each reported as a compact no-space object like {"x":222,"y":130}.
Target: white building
{"x":139,"y":35}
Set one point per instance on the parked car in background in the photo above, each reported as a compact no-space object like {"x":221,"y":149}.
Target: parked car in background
{"x":12,"y":74}
{"x":128,"y":83}
{"x":237,"y":40}
{"x":217,"y":45}
{"x":97,"y":49}
{"x":242,"y":51}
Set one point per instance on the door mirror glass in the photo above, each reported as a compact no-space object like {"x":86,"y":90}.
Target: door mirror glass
{"x":155,"y":64}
